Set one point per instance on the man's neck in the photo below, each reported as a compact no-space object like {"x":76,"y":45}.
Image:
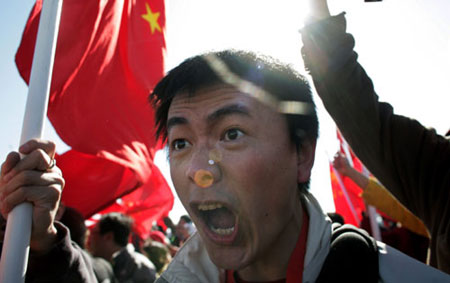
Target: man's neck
{"x":114,"y":251}
{"x":274,"y":263}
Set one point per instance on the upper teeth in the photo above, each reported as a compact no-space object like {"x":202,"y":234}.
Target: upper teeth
{"x":209,"y":206}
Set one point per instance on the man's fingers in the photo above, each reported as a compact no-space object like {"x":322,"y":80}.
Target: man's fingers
{"x":32,"y":178}
{"x":37,"y":160}
{"x":39,"y":196}
{"x":11,"y":160}
{"x":38,"y":156}
{"x":319,"y":9}
{"x":47,"y":146}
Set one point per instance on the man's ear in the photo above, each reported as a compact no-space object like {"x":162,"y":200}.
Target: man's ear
{"x":305,"y":160}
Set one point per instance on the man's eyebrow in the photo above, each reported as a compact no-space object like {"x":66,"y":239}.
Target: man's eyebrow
{"x":216,"y":115}
{"x":175,"y":121}
{"x":229,"y":110}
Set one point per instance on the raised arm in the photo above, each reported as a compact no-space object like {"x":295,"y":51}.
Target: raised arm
{"x":407,"y":158}
{"x":410,"y":160}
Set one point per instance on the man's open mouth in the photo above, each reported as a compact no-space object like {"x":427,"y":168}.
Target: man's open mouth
{"x":220,"y":220}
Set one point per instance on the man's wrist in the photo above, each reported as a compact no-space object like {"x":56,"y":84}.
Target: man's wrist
{"x":44,"y":243}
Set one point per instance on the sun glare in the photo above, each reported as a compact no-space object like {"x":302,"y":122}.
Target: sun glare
{"x":268,"y":27}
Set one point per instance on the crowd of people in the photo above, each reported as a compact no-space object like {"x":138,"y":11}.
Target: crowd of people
{"x":241,"y":129}
{"x":108,"y":246}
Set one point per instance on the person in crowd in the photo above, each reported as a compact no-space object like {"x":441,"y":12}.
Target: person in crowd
{"x":158,"y":236}
{"x":184,"y":229}
{"x":109,"y":239}
{"x":171,"y":232}
{"x":162,"y":238}
{"x":412,"y":161}
{"x":241,"y":131}
{"x":159,"y":253}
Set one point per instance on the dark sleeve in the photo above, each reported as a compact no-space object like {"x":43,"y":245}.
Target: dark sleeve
{"x":66,"y":262}
{"x":410,"y":160}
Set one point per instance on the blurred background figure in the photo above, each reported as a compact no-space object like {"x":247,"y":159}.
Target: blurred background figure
{"x":73,"y":220}
{"x":109,"y":239}
{"x":184,"y":229}
{"x":159,"y":253}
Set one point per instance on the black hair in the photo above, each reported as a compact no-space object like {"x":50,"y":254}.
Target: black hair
{"x":117,"y":223}
{"x":158,"y":253}
{"x":278,"y":79}
{"x":186,"y":218}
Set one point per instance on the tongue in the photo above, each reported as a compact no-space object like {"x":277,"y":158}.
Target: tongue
{"x":221,"y":218}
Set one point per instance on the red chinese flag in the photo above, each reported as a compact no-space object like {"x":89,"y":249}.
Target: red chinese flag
{"x":344,"y":200}
{"x":140,"y":203}
{"x":347,"y":195}
{"x":109,"y":56}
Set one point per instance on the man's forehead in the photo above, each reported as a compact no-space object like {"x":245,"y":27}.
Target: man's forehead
{"x":208,"y":99}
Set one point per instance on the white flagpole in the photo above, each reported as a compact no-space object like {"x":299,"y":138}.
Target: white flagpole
{"x":18,"y":229}
{"x":372,"y":212}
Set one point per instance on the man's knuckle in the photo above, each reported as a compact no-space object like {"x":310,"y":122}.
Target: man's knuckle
{"x":51,"y":145}
{"x":57,"y":178}
{"x":33,"y":142}
{"x":41,"y":153}
{"x":25,"y":177}
{"x":55,"y":192}
{"x":62,"y":182}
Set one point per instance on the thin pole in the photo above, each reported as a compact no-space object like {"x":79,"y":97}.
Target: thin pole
{"x":347,"y":198}
{"x":372,"y":213}
{"x":18,"y":229}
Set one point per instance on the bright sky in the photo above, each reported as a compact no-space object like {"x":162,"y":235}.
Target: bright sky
{"x":404,"y":46}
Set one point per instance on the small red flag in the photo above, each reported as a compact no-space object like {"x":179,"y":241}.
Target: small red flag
{"x":346,"y":194}
{"x":109,"y":56}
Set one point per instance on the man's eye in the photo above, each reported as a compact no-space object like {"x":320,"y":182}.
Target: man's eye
{"x":179,"y":144}
{"x":232,"y":134}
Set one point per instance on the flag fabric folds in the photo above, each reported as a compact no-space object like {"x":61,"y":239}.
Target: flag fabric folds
{"x":108,"y":57}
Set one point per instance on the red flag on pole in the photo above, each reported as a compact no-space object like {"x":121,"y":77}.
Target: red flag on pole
{"x":109,"y":56}
{"x":344,"y":199}
{"x":347,"y":194}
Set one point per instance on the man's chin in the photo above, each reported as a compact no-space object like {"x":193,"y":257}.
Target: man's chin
{"x":229,"y":258}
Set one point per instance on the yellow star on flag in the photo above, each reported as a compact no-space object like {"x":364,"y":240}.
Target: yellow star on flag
{"x":152,"y":19}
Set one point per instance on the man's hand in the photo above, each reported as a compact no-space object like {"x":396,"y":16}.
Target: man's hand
{"x":33,"y":179}
{"x":318,"y":10}
{"x":341,"y":164}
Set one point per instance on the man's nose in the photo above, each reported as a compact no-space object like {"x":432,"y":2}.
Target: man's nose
{"x":203,"y":170}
